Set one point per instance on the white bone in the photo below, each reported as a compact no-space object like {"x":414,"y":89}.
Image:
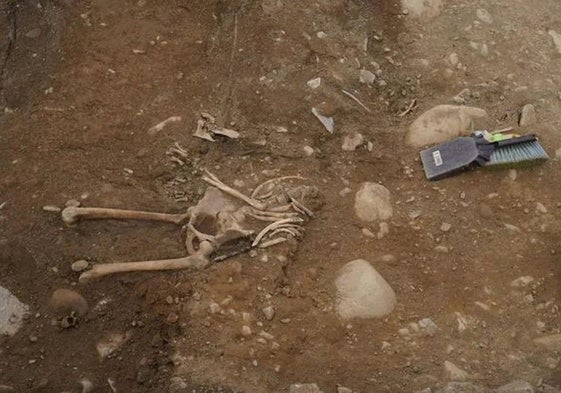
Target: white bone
{"x":71,"y":215}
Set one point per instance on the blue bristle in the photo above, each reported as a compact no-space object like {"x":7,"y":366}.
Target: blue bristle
{"x":527,"y":152}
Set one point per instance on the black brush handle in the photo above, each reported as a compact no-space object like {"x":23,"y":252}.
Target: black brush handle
{"x":515,"y":141}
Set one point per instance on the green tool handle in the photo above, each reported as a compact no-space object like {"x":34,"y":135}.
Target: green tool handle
{"x":515,"y":141}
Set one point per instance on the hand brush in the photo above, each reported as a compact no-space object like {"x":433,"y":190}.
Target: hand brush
{"x":515,"y":152}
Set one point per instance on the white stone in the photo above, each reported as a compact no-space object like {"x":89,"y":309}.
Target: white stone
{"x":540,"y":208}
{"x":12,"y":312}
{"x":51,"y":209}
{"x":484,"y":16}
{"x":327,"y":122}
{"x":111,"y":343}
{"x":246,"y":330}
{"x":428,"y":326}
{"x":445,"y":227}
{"x":556,"y":39}
{"x":80,"y":265}
{"x":521,"y":282}
{"x":314,"y":83}
{"x":351,"y":142}
{"x":373,"y":202}
{"x":269,"y":313}
{"x":305,"y":388}
{"x":367,"y":77}
{"x":362,"y":292}
{"x":308,"y":150}
{"x":454,"y":59}
{"x":528,"y":116}
{"x":342,"y":389}
{"x":422,"y":8}
{"x":454,"y":373}
{"x":443,"y":123}
{"x":383,"y":230}
{"x":368,"y":233}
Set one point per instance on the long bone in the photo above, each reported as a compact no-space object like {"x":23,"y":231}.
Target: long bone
{"x":198,"y":261}
{"x":71,"y":215}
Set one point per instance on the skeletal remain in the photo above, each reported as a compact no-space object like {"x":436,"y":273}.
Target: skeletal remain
{"x":160,"y":126}
{"x":207,"y":128}
{"x":221,"y":219}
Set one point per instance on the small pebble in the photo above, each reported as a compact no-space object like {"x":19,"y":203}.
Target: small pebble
{"x":269,"y":313}
{"x":246,"y":330}
{"x":445,"y":227}
{"x":172,"y":318}
{"x":72,"y":203}
{"x":80,"y":265}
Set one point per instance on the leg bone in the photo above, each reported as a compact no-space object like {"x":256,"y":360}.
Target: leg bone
{"x":196,"y":262}
{"x":71,"y":215}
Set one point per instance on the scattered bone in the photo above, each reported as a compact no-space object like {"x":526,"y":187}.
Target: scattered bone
{"x":352,"y":97}
{"x":351,"y":142}
{"x":51,"y":209}
{"x":207,"y":128}
{"x":161,"y":125}
{"x":111,"y":343}
{"x":327,"y":122}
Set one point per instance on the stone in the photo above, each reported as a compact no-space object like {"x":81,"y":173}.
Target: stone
{"x":269,"y":313}
{"x":540,"y":208}
{"x":443,"y":123}
{"x":80,"y":265}
{"x":445,"y":227}
{"x":72,"y":203}
{"x":111,"y":343}
{"x":246,"y":330}
{"x":463,"y":387}
{"x":7,"y":389}
{"x":63,"y":302}
{"x":423,"y":9}
{"x":342,"y":389}
{"x":12,"y":313}
{"x":521,"y":282}
{"x":362,"y":292}
{"x":308,"y":150}
{"x":34,"y":33}
{"x":516,"y":387}
{"x":428,"y":326}
{"x":454,"y":59}
{"x":556,"y":37}
{"x":305,"y":388}
{"x":367,"y":77}
{"x":455,"y":373}
{"x":373,"y":202}
{"x":351,"y":142}
{"x":484,"y":16}
{"x":528,"y":116}
{"x":177,"y":385}
{"x":314,"y":83}
{"x":551,"y":342}
{"x":383,"y":230}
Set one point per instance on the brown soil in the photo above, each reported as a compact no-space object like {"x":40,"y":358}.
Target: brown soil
{"x":80,"y":96}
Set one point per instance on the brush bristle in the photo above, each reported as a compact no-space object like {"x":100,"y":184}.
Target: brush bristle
{"x":522,"y":154}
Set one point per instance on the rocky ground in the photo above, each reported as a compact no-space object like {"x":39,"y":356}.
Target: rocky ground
{"x":398,"y":284}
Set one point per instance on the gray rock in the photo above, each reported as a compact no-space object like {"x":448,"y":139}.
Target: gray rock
{"x":367,"y":77}
{"x":422,"y":8}
{"x":63,"y":302}
{"x":454,"y":373}
{"x":444,"y":122}
{"x":12,"y":312}
{"x":516,"y":387}
{"x":269,"y":312}
{"x":373,"y":202}
{"x":362,"y":292}
{"x":463,"y":387}
{"x":111,"y":343}
{"x":34,"y":33}
{"x":528,"y":116}
{"x":428,"y":326}
{"x":177,"y":385}
{"x":305,"y":388}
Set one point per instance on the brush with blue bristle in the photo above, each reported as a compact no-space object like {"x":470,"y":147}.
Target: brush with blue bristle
{"x":512,"y":151}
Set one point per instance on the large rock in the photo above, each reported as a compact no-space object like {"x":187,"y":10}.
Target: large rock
{"x":63,"y":302}
{"x":12,"y":312}
{"x":444,"y":122}
{"x":422,"y":8}
{"x":551,"y":342}
{"x":362,"y":292}
{"x":373,"y":202}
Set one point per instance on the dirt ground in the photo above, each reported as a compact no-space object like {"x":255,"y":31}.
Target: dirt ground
{"x":83,"y":82}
